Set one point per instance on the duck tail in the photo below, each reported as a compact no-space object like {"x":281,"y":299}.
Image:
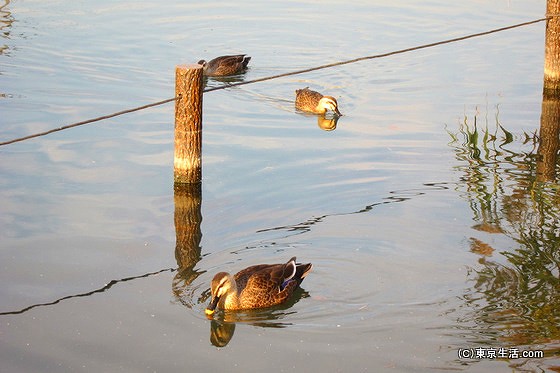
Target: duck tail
{"x":301,"y":271}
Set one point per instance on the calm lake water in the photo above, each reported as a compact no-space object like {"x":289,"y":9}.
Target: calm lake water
{"x":430,"y":230}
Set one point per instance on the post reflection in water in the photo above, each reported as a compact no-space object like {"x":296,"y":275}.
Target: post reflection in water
{"x":549,"y":137}
{"x":515,"y":298}
{"x":188,"y":217}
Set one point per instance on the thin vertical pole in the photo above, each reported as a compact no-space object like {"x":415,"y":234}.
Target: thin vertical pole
{"x":552,"y":49}
{"x":188,"y":124}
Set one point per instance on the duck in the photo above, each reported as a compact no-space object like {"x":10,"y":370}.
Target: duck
{"x":225,"y":65}
{"x":314,"y":102}
{"x":258,"y":286}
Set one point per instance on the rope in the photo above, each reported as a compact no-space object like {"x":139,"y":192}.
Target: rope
{"x":89,"y":121}
{"x":340,"y":63}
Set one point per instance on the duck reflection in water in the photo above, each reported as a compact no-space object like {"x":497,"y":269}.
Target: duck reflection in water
{"x":253,"y":290}
{"x":223,"y":322}
{"x":327,"y":124}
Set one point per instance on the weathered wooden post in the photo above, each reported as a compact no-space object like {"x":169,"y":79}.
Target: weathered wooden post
{"x":552,"y":49}
{"x":188,"y":124}
{"x":188,"y":171}
{"x":549,"y":142}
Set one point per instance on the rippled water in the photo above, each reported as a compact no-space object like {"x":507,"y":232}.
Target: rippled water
{"x":425,"y":213}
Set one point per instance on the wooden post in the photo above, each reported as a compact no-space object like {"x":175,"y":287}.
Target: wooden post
{"x":549,"y":144}
{"x":552,"y":49}
{"x":188,"y":124}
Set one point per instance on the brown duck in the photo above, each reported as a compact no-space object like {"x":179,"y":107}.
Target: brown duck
{"x":225,"y":65}
{"x":258,"y":286}
{"x":314,"y":102}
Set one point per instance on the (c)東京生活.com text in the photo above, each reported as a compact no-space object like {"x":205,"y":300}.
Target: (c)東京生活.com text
{"x":479,"y":353}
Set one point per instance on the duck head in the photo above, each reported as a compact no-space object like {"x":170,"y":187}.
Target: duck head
{"x":204,"y":64}
{"x":223,"y":284}
{"x":328,"y":103}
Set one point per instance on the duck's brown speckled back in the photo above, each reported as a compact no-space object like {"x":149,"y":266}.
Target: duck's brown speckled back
{"x":225,"y":65}
{"x":258,"y":286}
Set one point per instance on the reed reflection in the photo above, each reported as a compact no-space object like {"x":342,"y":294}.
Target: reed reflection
{"x":511,"y":185}
{"x":6,"y":20}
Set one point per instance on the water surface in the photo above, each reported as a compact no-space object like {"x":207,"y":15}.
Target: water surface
{"x":428,"y":225}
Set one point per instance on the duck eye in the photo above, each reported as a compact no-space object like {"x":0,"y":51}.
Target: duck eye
{"x":222,"y":285}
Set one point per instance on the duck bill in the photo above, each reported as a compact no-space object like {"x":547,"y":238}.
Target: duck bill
{"x":338,"y":113}
{"x":212,"y":306}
